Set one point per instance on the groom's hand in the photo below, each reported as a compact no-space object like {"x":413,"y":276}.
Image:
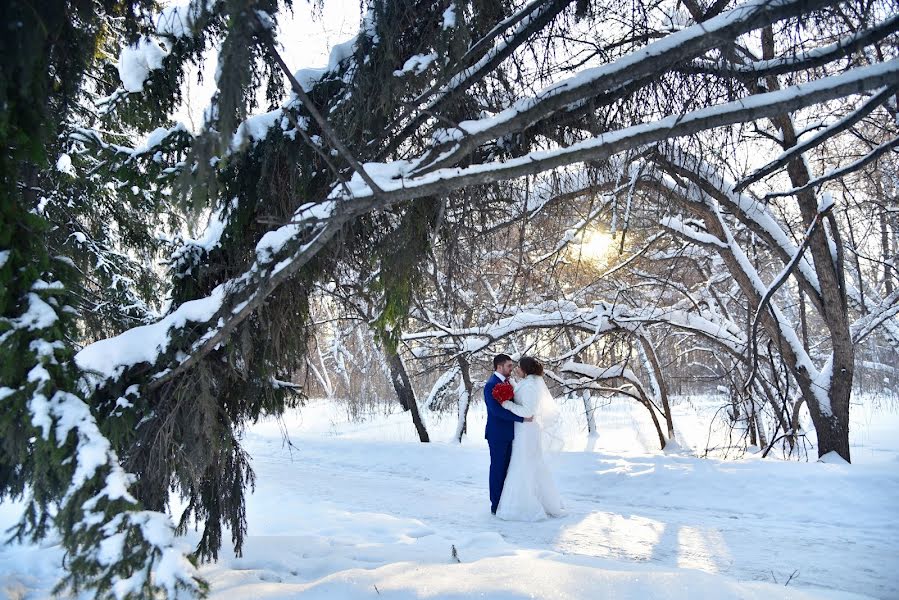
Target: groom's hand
{"x":528,"y":419}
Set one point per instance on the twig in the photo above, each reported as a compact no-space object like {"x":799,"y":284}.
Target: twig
{"x":837,"y":173}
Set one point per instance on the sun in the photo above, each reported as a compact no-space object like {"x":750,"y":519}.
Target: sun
{"x":596,"y":246}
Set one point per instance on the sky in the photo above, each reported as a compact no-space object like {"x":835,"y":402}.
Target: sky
{"x":306,"y":35}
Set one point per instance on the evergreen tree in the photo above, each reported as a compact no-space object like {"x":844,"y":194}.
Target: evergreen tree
{"x":55,"y":453}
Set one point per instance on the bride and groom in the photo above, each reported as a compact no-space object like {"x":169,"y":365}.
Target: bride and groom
{"x":521,"y":485}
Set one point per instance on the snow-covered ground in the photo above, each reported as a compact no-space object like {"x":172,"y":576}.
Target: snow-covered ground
{"x":364,"y":511}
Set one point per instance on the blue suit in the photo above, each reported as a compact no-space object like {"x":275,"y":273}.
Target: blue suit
{"x":500,"y":432}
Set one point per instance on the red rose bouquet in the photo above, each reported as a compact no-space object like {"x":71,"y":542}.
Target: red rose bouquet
{"x":503,"y":391}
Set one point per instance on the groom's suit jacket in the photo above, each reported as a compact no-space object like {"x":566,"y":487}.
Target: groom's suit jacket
{"x":500,"y":422}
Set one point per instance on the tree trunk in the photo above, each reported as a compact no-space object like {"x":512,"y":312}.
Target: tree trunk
{"x":828,"y":401}
{"x":803,"y":321}
{"x":464,"y":397}
{"x":657,"y":380}
{"x":404,"y":391}
{"x":753,"y":435}
{"x":588,"y":410}
{"x":585,"y":395}
{"x":655,"y":421}
{"x":885,"y":246}
{"x":759,"y":427}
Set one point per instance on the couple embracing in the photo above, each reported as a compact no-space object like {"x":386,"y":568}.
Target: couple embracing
{"x":518,"y":420}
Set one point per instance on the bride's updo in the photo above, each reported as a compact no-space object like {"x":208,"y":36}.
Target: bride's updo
{"x":530,"y":366}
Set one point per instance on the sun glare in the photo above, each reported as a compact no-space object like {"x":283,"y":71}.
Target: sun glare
{"x":595,"y":246}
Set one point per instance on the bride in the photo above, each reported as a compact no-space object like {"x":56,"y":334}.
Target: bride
{"x":529,"y":493}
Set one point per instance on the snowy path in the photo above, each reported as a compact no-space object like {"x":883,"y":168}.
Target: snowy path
{"x":749,"y":520}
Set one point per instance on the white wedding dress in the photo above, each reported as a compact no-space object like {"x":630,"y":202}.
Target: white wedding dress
{"x":529,"y":492}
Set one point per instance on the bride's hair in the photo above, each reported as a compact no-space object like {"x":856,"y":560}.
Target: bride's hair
{"x":530,"y":365}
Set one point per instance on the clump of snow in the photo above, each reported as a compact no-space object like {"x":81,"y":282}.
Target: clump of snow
{"x":417,"y":64}
{"x":155,"y":137}
{"x":826,"y":202}
{"x":272,"y":242}
{"x":39,"y":315}
{"x":212,"y":235}
{"x":821,"y":386}
{"x":136,"y":62}
{"x":449,"y":17}
{"x":256,"y":127}
{"x":111,"y":356}
{"x":64,"y":164}
{"x":307,"y":78}
{"x":4,"y":256}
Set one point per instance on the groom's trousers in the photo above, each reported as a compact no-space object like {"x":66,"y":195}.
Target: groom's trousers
{"x":500,"y":455}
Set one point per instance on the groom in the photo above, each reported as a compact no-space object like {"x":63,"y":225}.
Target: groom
{"x":500,"y":429}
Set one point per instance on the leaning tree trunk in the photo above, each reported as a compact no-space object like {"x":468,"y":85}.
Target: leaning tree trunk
{"x":657,"y":379}
{"x":644,"y":400}
{"x":404,"y":391}
{"x":828,"y":403}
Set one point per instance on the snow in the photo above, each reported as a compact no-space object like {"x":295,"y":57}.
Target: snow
{"x":826,"y":202}
{"x":136,"y":62}
{"x":449,"y":17}
{"x":73,"y":419}
{"x":307,"y":78}
{"x":449,"y":20}
{"x":4,"y":256}
{"x":821,"y":386}
{"x":64,"y":164}
{"x":677,"y":225}
{"x":623,"y":67}
{"x":806,"y":55}
{"x":272,"y":242}
{"x":361,"y":510}
{"x":417,"y":64}
{"x":833,"y":458}
{"x":265,"y":19}
{"x":256,"y":128}
{"x":110,"y":357}
{"x":155,"y":137}
{"x":176,"y":20}
{"x":593,"y":372}
{"x":214,"y":229}
{"x":39,"y":315}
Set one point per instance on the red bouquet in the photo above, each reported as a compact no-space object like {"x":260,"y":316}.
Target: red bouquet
{"x":503,"y":391}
